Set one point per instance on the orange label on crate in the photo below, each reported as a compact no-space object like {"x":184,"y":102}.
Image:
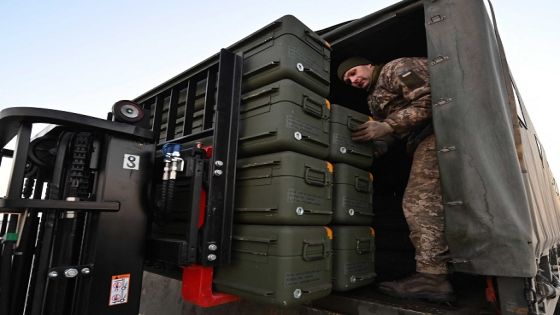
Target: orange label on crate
{"x":119,"y":289}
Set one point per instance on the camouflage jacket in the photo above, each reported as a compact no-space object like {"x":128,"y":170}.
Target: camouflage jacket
{"x":401,"y":97}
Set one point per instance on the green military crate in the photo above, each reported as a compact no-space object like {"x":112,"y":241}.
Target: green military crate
{"x":342,"y":149}
{"x":284,"y":116}
{"x":283,"y":265}
{"x":352,"y":193}
{"x":286,"y":48}
{"x":353,"y":257}
{"x":283,"y":188}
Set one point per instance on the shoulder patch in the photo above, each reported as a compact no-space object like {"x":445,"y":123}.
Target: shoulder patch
{"x":411,"y":79}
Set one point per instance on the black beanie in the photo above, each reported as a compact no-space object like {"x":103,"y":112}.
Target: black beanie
{"x":349,"y":64}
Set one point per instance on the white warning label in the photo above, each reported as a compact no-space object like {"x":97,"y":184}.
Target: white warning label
{"x":119,"y":289}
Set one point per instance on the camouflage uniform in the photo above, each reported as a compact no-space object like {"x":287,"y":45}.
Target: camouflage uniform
{"x":401,"y":97}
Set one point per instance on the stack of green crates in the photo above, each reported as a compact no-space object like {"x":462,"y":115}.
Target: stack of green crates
{"x":353,"y":243}
{"x":282,"y":249}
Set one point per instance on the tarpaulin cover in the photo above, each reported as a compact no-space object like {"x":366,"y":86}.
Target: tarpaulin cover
{"x":488,"y":218}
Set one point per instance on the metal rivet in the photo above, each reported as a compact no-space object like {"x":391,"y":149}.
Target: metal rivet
{"x":211,"y":257}
{"x":297,"y":293}
{"x":86,"y":271}
{"x":298,"y":135}
{"x":53,"y":274}
{"x":219,"y":163}
{"x":300,"y":67}
{"x":212,"y":247}
{"x":351,"y":212}
{"x":218,"y":172}
{"x":70,"y":272}
{"x":352,"y":279}
{"x":343,"y":150}
{"x":300,"y":211}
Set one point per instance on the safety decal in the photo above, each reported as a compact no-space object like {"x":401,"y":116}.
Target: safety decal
{"x":119,"y":289}
{"x":131,"y":162}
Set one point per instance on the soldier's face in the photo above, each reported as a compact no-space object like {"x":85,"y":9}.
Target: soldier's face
{"x":359,"y":76}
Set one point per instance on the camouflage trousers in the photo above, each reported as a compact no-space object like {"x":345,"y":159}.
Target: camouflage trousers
{"x":423,"y":209}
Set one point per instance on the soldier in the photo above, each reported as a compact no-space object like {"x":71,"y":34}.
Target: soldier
{"x":399,"y":93}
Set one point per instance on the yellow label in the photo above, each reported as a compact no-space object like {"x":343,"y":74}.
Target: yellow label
{"x":330,"y":167}
{"x":329,"y":232}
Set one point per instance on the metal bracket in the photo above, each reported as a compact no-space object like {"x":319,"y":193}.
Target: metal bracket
{"x":439,"y":59}
{"x":443,"y":101}
{"x":447,"y":149}
{"x":436,"y":19}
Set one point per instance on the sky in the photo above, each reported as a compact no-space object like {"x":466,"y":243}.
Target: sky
{"x":83,"y":56}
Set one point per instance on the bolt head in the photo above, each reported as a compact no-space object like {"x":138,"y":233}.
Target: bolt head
{"x":212,"y":247}
{"x":300,"y":211}
{"x":219,"y":163}
{"x":70,"y":272}
{"x":86,"y":271}
{"x":53,"y":274}
{"x":297,"y":293}
{"x":211,"y":257}
{"x":218,"y":172}
{"x":351,"y":212}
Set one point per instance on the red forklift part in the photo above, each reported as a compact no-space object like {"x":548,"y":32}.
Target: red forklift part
{"x":197,"y":287}
{"x":202,"y":208}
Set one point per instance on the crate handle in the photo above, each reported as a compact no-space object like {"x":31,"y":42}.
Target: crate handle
{"x":312,"y":107}
{"x":267,"y":66}
{"x":307,"y":245}
{"x":254,"y":239}
{"x":362,"y":185}
{"x":361,"y":248}
{"x":356,"y":152}
{"x":312,"y":211}
{"x":317,"y":39}
{"x":258,"y":94}
{"x":318,"y":288}
{"x":259,"y":135}
{"x":316,"y":141}
{"x":356,"y":212}
{"x":320,"y":178}
{"x":249,"y":210}
{"x":352,"y":123}
{"x":315,"y":75}
{"x":366,"y":276}
{"x":251,"y":290}
{"x":240,"y":178}
{"x":259,"y":164}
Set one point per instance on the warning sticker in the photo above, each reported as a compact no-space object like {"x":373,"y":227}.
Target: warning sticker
{"x":119,"y":289}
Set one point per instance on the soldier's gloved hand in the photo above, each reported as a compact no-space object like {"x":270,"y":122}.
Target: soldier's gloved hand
{"x":371,"y":130}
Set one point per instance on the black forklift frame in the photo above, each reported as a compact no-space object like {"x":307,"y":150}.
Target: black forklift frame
{"x":18,"y":122}
{"x":221,"y":114}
